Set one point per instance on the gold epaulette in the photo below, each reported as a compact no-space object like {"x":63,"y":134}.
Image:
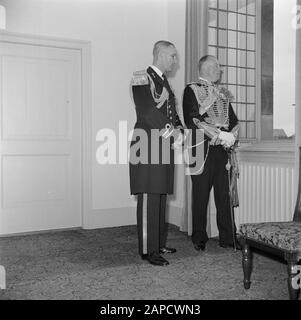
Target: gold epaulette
{"x":200,"y":81}
{"x":190,"y":83}
{"x":140,"y":78}
{"x":226,"y":93}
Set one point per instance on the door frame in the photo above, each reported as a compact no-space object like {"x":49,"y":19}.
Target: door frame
{"x":84,"y":47}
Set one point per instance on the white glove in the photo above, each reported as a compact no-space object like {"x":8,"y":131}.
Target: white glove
{"x":179,"y":141}
{"x":227,"y":138}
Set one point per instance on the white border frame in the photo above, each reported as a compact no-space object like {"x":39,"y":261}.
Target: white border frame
{"x":265,"y":150}
{"x":86,"y":104}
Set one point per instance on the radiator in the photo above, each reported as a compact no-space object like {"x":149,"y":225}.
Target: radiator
{"x":266,"y":193}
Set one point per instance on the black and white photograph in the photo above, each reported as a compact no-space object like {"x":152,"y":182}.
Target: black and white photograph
{"x":150,"y":153}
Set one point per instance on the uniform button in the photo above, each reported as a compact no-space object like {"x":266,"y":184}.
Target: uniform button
{"x":170,"y":111}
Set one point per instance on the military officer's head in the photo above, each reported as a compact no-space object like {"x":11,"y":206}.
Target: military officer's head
{"x":165,"y":56}
{"x":210,"y":69}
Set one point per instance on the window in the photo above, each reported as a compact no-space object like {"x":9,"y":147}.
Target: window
{"x":232,"y":39}
{"x":259,"y":64}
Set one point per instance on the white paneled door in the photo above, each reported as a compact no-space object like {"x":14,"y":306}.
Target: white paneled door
{"x":40,"y":91}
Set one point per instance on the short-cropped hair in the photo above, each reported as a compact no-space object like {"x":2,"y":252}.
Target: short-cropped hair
{"x":204,"y":59}
{"x":159,"y":45}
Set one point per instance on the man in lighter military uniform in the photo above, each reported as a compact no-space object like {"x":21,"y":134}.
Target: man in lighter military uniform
{"x":151,"y":182}
{"x":208,"y":107}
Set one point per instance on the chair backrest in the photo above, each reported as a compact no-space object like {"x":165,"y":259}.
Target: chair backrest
{"x":297,"y":214}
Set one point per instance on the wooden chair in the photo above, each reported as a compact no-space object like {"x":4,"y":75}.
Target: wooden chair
{"x":280,"y":238}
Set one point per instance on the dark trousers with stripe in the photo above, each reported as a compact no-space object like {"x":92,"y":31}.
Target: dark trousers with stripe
{"x":216,"y":175}
{"x":151,"y":223}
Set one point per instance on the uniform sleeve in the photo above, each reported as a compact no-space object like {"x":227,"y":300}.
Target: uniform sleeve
{"x":233,"y":121}
{"x":146,"y":108}
{"x":190,"y":108}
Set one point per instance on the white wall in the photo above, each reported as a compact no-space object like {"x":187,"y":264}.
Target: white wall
{"x":284,"y":66}
{"x":122,"y":33}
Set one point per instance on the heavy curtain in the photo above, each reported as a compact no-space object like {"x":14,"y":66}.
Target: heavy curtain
{"x":196,"y":47}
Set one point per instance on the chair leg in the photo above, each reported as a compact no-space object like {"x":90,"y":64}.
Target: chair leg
{"x":293,"y":286}
{"x":246,"y":265}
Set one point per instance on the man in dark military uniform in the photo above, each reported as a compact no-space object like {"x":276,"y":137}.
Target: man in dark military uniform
{"x":151,"y":155}
{"x":208,"y":107}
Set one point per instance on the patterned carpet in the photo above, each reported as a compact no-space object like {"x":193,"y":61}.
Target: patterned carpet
{"x":103,"y":265}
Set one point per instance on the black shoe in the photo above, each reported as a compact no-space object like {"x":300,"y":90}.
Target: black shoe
{"x":200,"y":246}
{"x":164,"y":261}
{"x":164,"y":250}
{"x":155,"y":259}
{"x":231,"y":245}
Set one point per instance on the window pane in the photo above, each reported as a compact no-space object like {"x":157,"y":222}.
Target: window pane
{"x":212,"y":51}
{"x":251,"y":59}
{"x":224,"y":74}
{"x":222,"y":4}
{"x":241,"y":112}
{"x":251,"y":77}
{"x":251,"y":94}
{"x":222,"y":56}
{"x":232,"y":21}
{"x":223,"y":23}
{"x":232,"y":75}
{"x":232,"y":57}
{"x":232,"y":89}
{"x":242,"y":4}
{"x":241,"y":58}
{"x":242,"y":22}
{"x":251,"y":130}
{"x":234,"y":107}
{"x":242,"y":131}
{"x":251,"y":7}
{"x":251,"y":41}
{"x":241,"y":94}
{"x":232,"y":5}
{"x":232,"y":39}
{"x":242,"y":40}
{"x":251,"y":112}
{"x":233,"y":104}
{"x":212,"y":18}
{"x":212,"y":3}
{"x":222,"y":40}
{"x":212,"y":36}
{"x":241,"y":76}
{"x":251,"y":24}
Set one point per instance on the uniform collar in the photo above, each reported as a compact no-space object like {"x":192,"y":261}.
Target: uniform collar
{"x":158,"y":71}
{"x":203,"y":79}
